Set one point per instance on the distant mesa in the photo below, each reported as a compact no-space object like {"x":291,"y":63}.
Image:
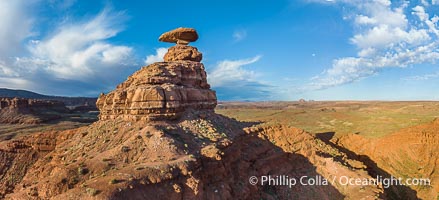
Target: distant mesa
{"x":29,"y":111}
{"x":163,"y":90}
{"x":180,"y":36}
{"x":70,"y":102}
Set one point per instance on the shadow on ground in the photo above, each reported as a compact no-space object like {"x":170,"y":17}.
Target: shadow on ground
{"x":228,"y":177}
{"x":392,"y":192}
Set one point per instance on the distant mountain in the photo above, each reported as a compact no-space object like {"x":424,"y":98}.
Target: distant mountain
{"x":68,"y":101}
{"x":4,"y":92}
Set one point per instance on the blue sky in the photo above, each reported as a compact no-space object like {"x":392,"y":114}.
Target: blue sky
{"x":252,"y":50}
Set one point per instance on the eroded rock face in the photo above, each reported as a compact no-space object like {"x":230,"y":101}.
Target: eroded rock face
{"x":183,"y":52}
{"x":162,"y":90}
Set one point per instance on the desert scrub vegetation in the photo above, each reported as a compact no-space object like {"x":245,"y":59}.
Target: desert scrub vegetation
{"x":113,"y":181}
{"x":82,"y":170}
{"x":367,"y":118}
{"x":92,"y":191}
{"x":125,"y":149}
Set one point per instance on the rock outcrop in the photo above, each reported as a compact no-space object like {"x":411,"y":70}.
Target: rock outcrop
{"x":162,"y":90}
{"x":182,"y":52}
{"x":29,"y":111}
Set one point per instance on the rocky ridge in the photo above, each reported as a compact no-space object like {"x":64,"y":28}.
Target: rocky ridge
{"x":409,"y":153}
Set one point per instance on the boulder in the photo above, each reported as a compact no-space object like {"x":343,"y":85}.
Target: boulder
{"x":180,"y":36}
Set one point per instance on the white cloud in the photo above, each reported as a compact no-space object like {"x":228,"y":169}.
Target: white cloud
{"x":422,"y":77}
{"x":367,"y":52}
{"x":232,"y":70}
{"x":15,"y":83}
{"x":62,"y":4}
{"x":384,"y":26}
{"x":73,"y":54}
{"x":361,"y":19}
{"x":239,"y":35}
{"x":424,"y":17}
{"x":232,"y":82}
{"x":158,"y":57}
{"x":79,"y":51}
{"x":15,"y":26}
{"x":425,"y":2}
{"x":385,"y":38}
{"x":117,"y":54}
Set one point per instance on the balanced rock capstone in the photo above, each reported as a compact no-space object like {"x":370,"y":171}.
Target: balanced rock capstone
{"x":180,"y":36}
{"x":162,"y":90}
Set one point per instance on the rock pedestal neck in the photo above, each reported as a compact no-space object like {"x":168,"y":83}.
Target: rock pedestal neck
{"x":163,"y":90}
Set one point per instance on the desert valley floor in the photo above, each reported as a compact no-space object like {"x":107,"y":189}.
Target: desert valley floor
{"x":356,"y":138}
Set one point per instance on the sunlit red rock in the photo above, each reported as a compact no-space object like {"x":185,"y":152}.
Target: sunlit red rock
{"x":162,"y":90}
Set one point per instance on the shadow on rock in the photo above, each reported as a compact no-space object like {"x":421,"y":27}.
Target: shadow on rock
{"x":222,"y":171}
{"x":392,"y":192}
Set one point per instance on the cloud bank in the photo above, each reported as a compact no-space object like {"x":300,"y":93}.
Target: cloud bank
{"x":233,"y":82}
{"x":15,"y":26}
{"x":75,"y":54}
{"x":387,"y":36}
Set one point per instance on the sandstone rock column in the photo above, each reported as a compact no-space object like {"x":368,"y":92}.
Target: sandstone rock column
{"x":163,"y":90}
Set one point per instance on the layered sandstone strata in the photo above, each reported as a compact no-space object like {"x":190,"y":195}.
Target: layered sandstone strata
{"x":162,"y":90}
{"x":29,"y":111}
{"x":27,"y":103}
{"x":183,"y":52}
